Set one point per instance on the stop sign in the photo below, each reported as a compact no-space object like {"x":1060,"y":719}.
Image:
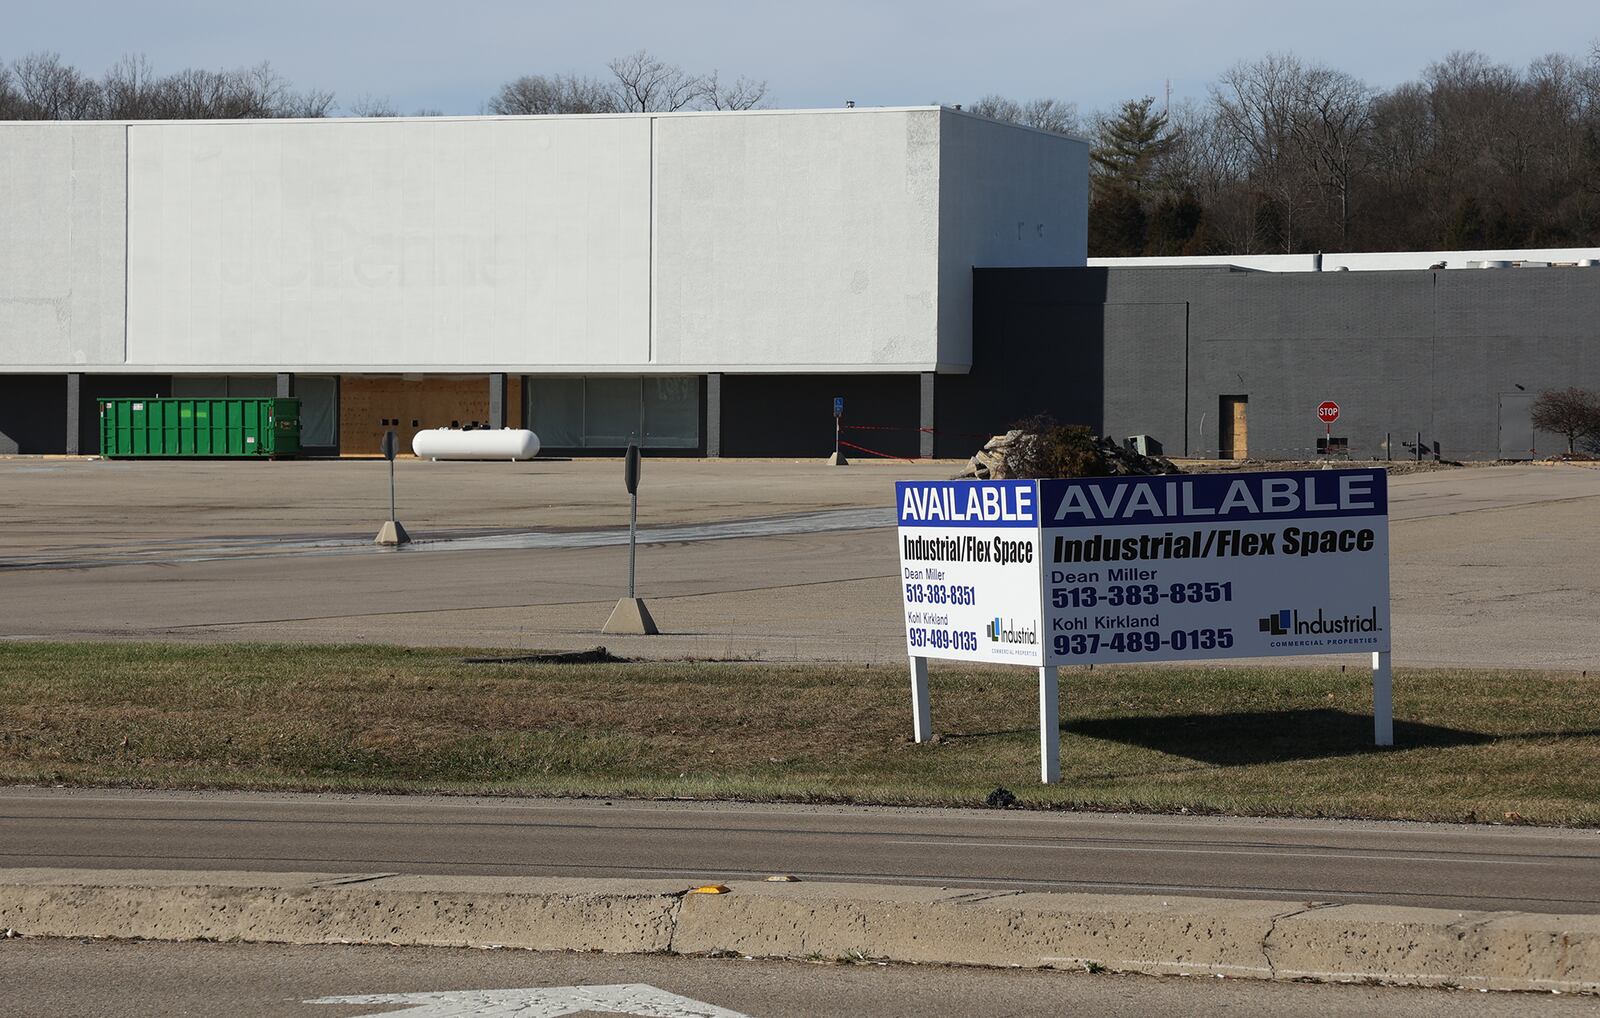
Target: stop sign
{"x":1328,"y":412}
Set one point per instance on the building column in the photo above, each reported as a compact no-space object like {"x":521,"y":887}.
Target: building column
{"x":926,"y":435}
{"x":74,"y":414}
{"x":285,"y":384}
{"x":714,"y":415}
{"x":497,"y":400}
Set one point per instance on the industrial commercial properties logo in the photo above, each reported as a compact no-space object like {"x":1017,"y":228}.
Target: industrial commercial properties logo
{"x":1009,"y":632}
{"x":1289,"y":622}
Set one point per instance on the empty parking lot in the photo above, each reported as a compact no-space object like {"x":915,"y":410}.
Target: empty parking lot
{"x":770,"y":560}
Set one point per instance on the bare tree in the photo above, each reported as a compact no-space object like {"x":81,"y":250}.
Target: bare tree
{"x":1207,"y":163}
{"x":640,"y":82}
{"x":131,"y":90}
{"x":1257,"y":103}
{"x":647,"y":84}
{"x":997,"y":107}
{"x":741,"y":94}
{"x":1052,"y":115}
{"x":1572,"y":413}
{"x":1331,"y":125}
{"x":242,"y":94}
{"x":48,"y":89}
{"x":539,"y":94}
{"x":10,"y":98}
{"x":379,"y":107}
{"x":372,"y":106}
{"x":272,"y":92}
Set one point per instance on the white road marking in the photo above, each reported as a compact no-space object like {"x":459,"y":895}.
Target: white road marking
{"x":540,"y":1002}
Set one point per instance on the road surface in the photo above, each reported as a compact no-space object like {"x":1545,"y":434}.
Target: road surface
{"x":1434,"y":865}
{"x":50,"y":978}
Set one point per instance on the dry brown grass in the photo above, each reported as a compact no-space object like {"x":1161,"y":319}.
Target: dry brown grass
{"x":1471,"y":745}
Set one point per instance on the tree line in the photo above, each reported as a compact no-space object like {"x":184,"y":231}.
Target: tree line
{"x":41,"y":86}
{"x":1285,"y":156}
{"x":1281,"y":156}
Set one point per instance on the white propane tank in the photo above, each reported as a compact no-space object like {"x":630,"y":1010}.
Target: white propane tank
{"x":455,"y":444}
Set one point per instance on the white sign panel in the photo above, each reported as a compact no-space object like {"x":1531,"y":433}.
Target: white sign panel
{"x":1185,"y":567}
{"x":969,"y":570}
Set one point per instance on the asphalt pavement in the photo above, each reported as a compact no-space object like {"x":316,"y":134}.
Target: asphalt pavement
{"x":51,"y":978}
{"x":1491,"y":566}
{"x":1435,"y":865}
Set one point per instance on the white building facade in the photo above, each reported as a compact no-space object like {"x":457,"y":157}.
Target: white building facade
{"x":599,"y":278}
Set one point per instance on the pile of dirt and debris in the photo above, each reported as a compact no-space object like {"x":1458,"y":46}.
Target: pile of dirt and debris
{"x":1028,"y":453}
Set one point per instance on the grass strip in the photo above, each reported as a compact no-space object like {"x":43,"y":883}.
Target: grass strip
{"x":1487,"y":746}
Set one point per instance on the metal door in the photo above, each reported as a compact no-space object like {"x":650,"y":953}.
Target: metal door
{"x":1516,"y":426}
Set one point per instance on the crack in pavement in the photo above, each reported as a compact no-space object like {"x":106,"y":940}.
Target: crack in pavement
{"x":1272,"y":927}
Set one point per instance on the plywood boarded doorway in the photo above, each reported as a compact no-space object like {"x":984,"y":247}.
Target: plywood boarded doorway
{"x":369,"y":405}
{"x":1234,"y":441}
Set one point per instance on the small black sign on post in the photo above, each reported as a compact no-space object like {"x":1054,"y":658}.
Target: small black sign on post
{"x":838,"y":458}
{"x":630,"y":480}
{"x":630,"y":616}
{"x":391,"y":533}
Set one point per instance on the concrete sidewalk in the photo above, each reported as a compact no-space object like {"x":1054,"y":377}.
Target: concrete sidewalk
{"x":1157,"y":935}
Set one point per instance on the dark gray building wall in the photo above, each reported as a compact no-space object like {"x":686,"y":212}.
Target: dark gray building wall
{"x":1401,"y":352}
{"x":33,"y":414}
{"x":1038,"y":346}
{"x":98,"y":387}
{"x":792,"y":415}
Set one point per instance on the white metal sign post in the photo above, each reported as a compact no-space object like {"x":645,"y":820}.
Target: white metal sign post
{"x":1129,"y":570}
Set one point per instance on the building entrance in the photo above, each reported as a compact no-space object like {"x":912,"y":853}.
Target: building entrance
{"x":1234,"y":441}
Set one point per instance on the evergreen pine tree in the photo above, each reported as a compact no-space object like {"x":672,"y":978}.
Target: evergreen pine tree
{"x":1129,"y":145}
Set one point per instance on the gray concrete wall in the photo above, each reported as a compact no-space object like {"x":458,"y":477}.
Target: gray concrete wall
{"x":787,"y":240}
{"x":1009,"y":196}
{"x":62,"y":234}
{"x":1401,"y":352}
{"x":389,"y":245}
{"x":795,"y":241}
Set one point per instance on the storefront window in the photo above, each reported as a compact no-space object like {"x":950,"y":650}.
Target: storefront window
{"x":606,"y":412}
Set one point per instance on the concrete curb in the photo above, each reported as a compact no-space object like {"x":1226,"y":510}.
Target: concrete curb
{"x":1127,"y":933}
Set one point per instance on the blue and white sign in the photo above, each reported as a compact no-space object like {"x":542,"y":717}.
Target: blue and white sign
{"x":1187,"y":567}
{"x":969,"y":569}
{"x":1138,"y":569}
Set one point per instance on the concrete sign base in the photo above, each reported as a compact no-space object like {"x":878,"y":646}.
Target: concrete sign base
{"x":392,"y":533}
{"x":631,"y":618}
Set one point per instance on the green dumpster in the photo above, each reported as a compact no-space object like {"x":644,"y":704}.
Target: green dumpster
{"x":199,"y":427}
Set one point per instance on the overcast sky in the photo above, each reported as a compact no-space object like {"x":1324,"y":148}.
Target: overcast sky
{"x":452,"y":56}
